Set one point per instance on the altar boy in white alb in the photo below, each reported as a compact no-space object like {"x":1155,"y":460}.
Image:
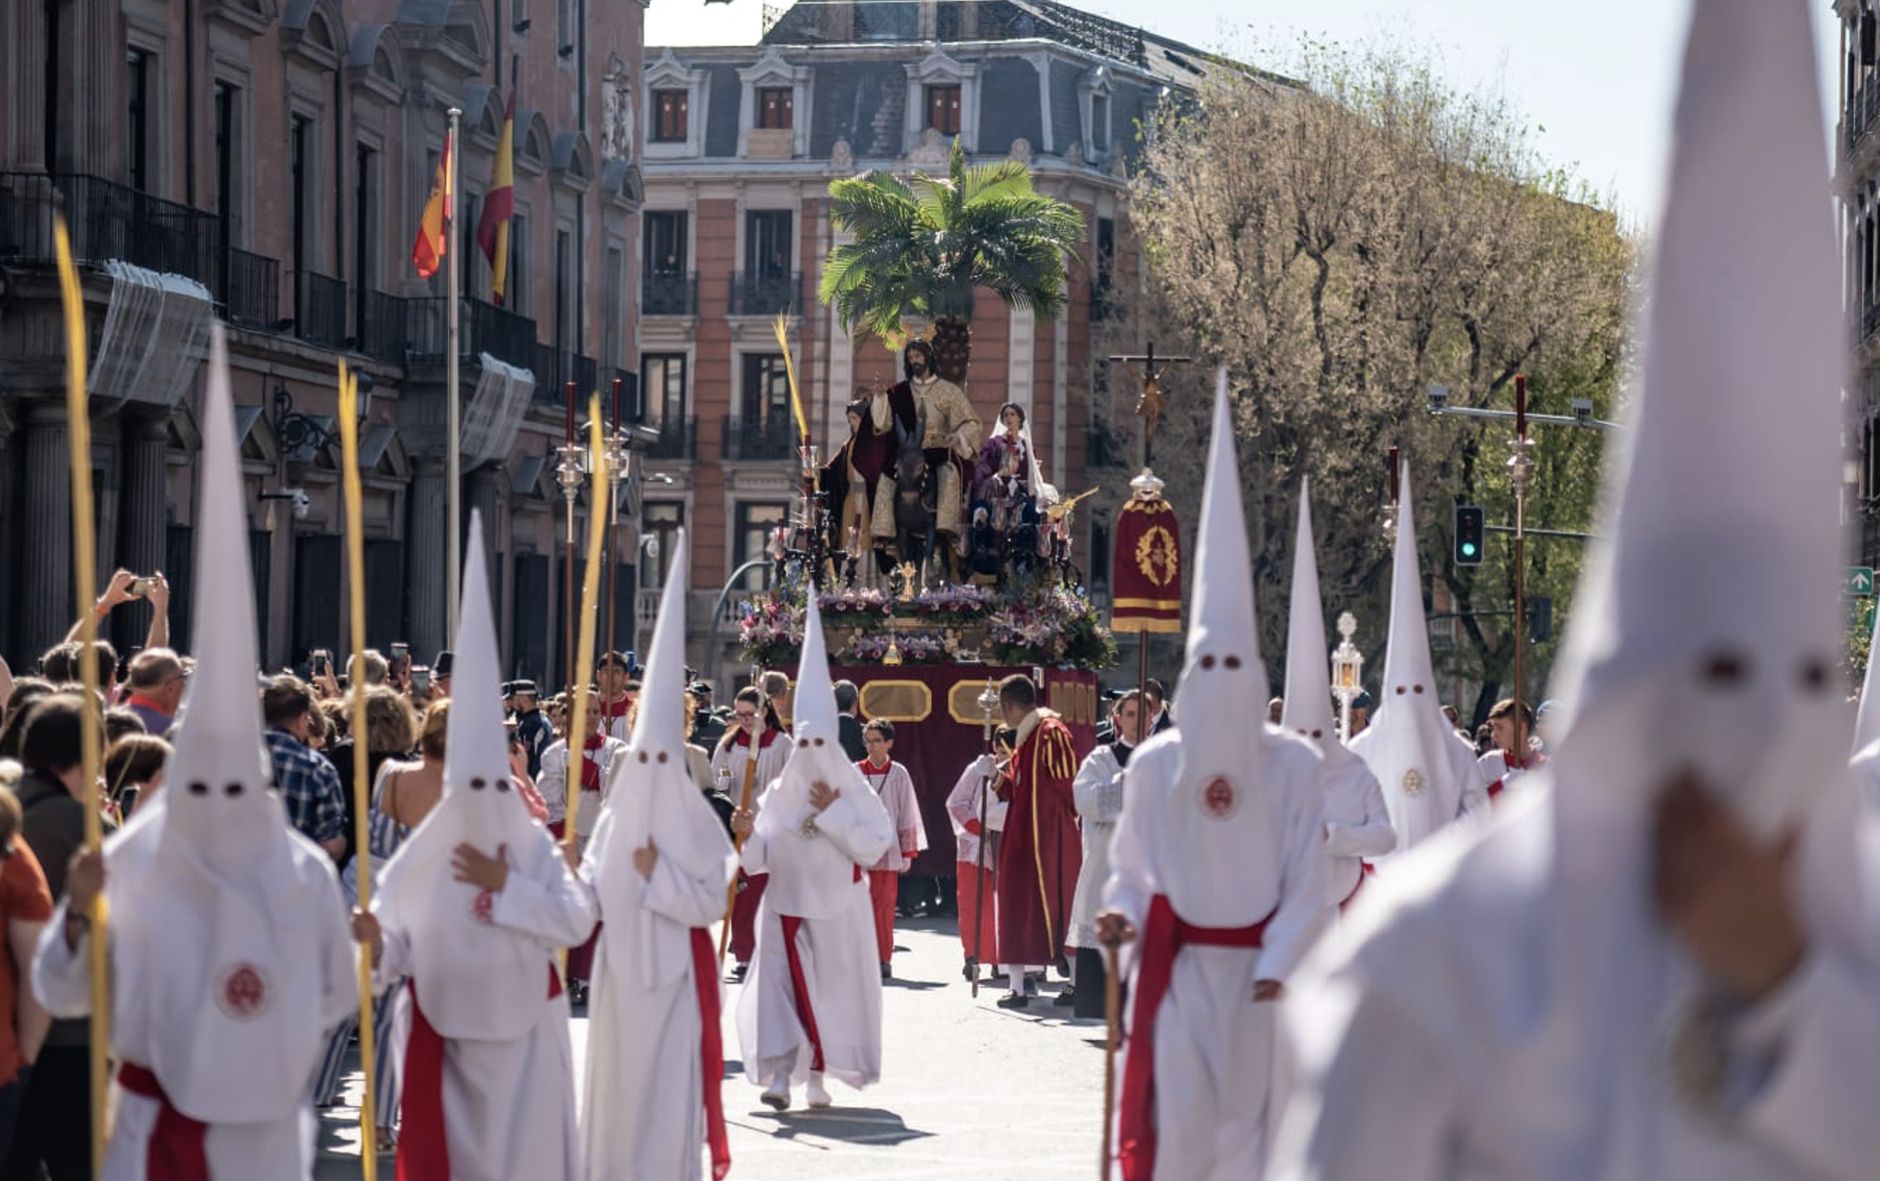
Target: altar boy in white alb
{"x":227,"y":929}
{"x":659,"y":864}
{"x":1657,"y":962}
{"x":1357,"y":824}
{"x":812,"y":1003}
{"x":473,"y":907}
{"x":1216,"y":878}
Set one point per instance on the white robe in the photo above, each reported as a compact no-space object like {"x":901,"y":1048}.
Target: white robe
{"x":1214,"y":1046}
{"x":841,"y":967}
{"x":963,"y":806}
{"x":1098,"y":794}
{"x":508,"y":1104}
{"x":1433,"y":1051}
{"x":1357,"y":825}
{"x":552,"y":783}
{"x":642,"y":1110}
{"x":281,"y":1149}
{"x":895,"y":789}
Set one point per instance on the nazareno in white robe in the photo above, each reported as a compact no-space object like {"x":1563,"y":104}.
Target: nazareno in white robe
{"x":1214,"y":1047}
{"x":509,"y":1100}
{"x":142,"y":931}
{"x":817,"y":874}
{"x":641,"y":1110}
{"x":1357,"y":823}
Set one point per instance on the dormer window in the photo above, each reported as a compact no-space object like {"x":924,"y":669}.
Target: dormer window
{"x":775,"y":108}
{"x":1100,"y":123}
{"x":671,"y":109}
{"x":943,"y":109}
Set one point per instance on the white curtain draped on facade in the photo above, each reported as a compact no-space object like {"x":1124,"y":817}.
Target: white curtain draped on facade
{"x":156,"y":332}
{"x":495,"y":410}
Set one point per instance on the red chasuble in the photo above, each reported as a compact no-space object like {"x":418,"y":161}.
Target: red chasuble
{"x":1041,"y":851}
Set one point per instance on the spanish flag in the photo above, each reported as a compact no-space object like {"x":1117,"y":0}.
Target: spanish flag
{"x":433,"y":235}
{"x":499,"y":205}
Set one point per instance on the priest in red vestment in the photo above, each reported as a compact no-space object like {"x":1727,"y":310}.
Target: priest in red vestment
{"x":1041,"y":850}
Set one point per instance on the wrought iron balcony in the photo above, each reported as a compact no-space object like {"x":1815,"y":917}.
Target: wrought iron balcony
{"x":555,"y":369}
{"x":484,"y":328}
{"x":773,"y":437}
{"x":320,"y":310}
{"x":107,"y":220}
{"x":669,"y":295}
{"x":382,"y":326}
{"x":252,"y":290}
{"x":764,"y":295}
{"x":678,"y":439}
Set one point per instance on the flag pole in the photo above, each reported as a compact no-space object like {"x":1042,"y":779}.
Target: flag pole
{"x":362,"y":782}
{"x":453,"y":291}
{"x":84,"y":584}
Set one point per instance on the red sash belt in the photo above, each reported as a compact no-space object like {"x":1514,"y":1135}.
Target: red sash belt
{"x":1367,"y":869}
{"x":176,"y":1151}
{"x":423,"y":1148}
{"x":711,"y":1050}
{"x":799,"y":986}
{"x":1163,"y":936}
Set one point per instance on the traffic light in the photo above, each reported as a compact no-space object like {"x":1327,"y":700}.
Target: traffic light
{"x":1469,"y":531}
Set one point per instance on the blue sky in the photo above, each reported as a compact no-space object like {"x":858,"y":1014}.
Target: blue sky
{"x":1598,"y":76}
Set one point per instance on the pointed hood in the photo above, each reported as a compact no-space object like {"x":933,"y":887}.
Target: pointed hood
{"x":230,"y":896}
{"x":233,"y":819}
{"x":1308,"y":709}
{"x":476,"y":789}
{"x":479,"y":979}
{"x":1867,"y":722}
{"x":1225,"y":815}
{"x":653,"y":798}
{"x":1421,"y":763}
{"x":1721,"y":620}
{"x":816,"y":752}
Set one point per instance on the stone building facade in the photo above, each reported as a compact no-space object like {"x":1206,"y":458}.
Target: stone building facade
{"x":266,"y":162}
{"x":742,"y":145}
{"x":1857,"y":170}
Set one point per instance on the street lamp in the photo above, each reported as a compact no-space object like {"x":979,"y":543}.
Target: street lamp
{"x":1347,"y":673}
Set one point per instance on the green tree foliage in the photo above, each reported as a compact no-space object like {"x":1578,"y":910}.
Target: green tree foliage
{"x":1343,"y":244}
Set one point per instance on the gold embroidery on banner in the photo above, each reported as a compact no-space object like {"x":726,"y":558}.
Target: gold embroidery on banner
{"x":1156,"y":556}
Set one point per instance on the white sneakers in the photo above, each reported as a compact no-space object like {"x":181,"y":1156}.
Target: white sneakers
{"x":777,"y":1094}
{"x":817,"y":1094}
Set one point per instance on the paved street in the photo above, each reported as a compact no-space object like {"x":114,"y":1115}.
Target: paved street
{"x":970,"y":1091}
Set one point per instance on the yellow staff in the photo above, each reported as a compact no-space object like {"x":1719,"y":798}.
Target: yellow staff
{"x":590,"y":598}
{"x":84,"y":581}
{"x":362,"y":784}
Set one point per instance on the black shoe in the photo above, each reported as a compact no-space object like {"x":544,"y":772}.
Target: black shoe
{"x":577,"y":994}
{"x":1065,"y":998}
{"x":738,"y":973}
{"x":1016,"y":1000}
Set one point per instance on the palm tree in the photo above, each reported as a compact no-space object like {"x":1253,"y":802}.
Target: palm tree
{"x":919,"y":249}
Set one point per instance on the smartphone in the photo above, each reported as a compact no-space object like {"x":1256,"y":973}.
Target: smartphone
{"x":318,"y":662}
{"x":401,"y":651}
{"x":421,"y":679}
{"x":141,"y":587}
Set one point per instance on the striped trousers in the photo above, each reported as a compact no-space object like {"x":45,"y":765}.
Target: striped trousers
{"x":387,"y":1021}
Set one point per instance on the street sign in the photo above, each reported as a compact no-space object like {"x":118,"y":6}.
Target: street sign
{"x":1859,"y":581}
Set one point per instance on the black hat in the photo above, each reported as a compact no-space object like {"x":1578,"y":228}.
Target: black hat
{"x":519,"y":689}
{"x":440,"y":667}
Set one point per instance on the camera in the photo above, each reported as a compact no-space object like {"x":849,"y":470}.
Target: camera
{"x":141,"y":587}
{"x":1439,"y":398}
{"x":1582,"y":410}
{"x":302,"y":503}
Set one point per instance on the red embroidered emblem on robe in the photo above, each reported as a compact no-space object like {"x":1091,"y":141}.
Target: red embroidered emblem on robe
{"x":1218,"y":798}
{"x":483,"y":908}
{"x":244,"y":993}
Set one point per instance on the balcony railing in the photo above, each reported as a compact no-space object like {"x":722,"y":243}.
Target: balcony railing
{"x":669,"y":295}
{"x":761,"y":438}
{"x":382,"y":326}
{"x":555,"y":369}
{"x":485,"y":328}
{"x":320,"y":310}
{"x":1861,"y":115}
{"x":764,"y":295}
{"x":253,"y":290}
{"x":108,"y":220}
{"x":678,"y":439}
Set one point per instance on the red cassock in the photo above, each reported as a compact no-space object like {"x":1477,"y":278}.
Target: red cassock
{"x":1041,"y":851}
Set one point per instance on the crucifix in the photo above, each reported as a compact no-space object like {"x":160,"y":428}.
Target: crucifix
{"x":1149,"y":402}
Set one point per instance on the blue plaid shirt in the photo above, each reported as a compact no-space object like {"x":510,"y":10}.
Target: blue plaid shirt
{"x":309,"y":787}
